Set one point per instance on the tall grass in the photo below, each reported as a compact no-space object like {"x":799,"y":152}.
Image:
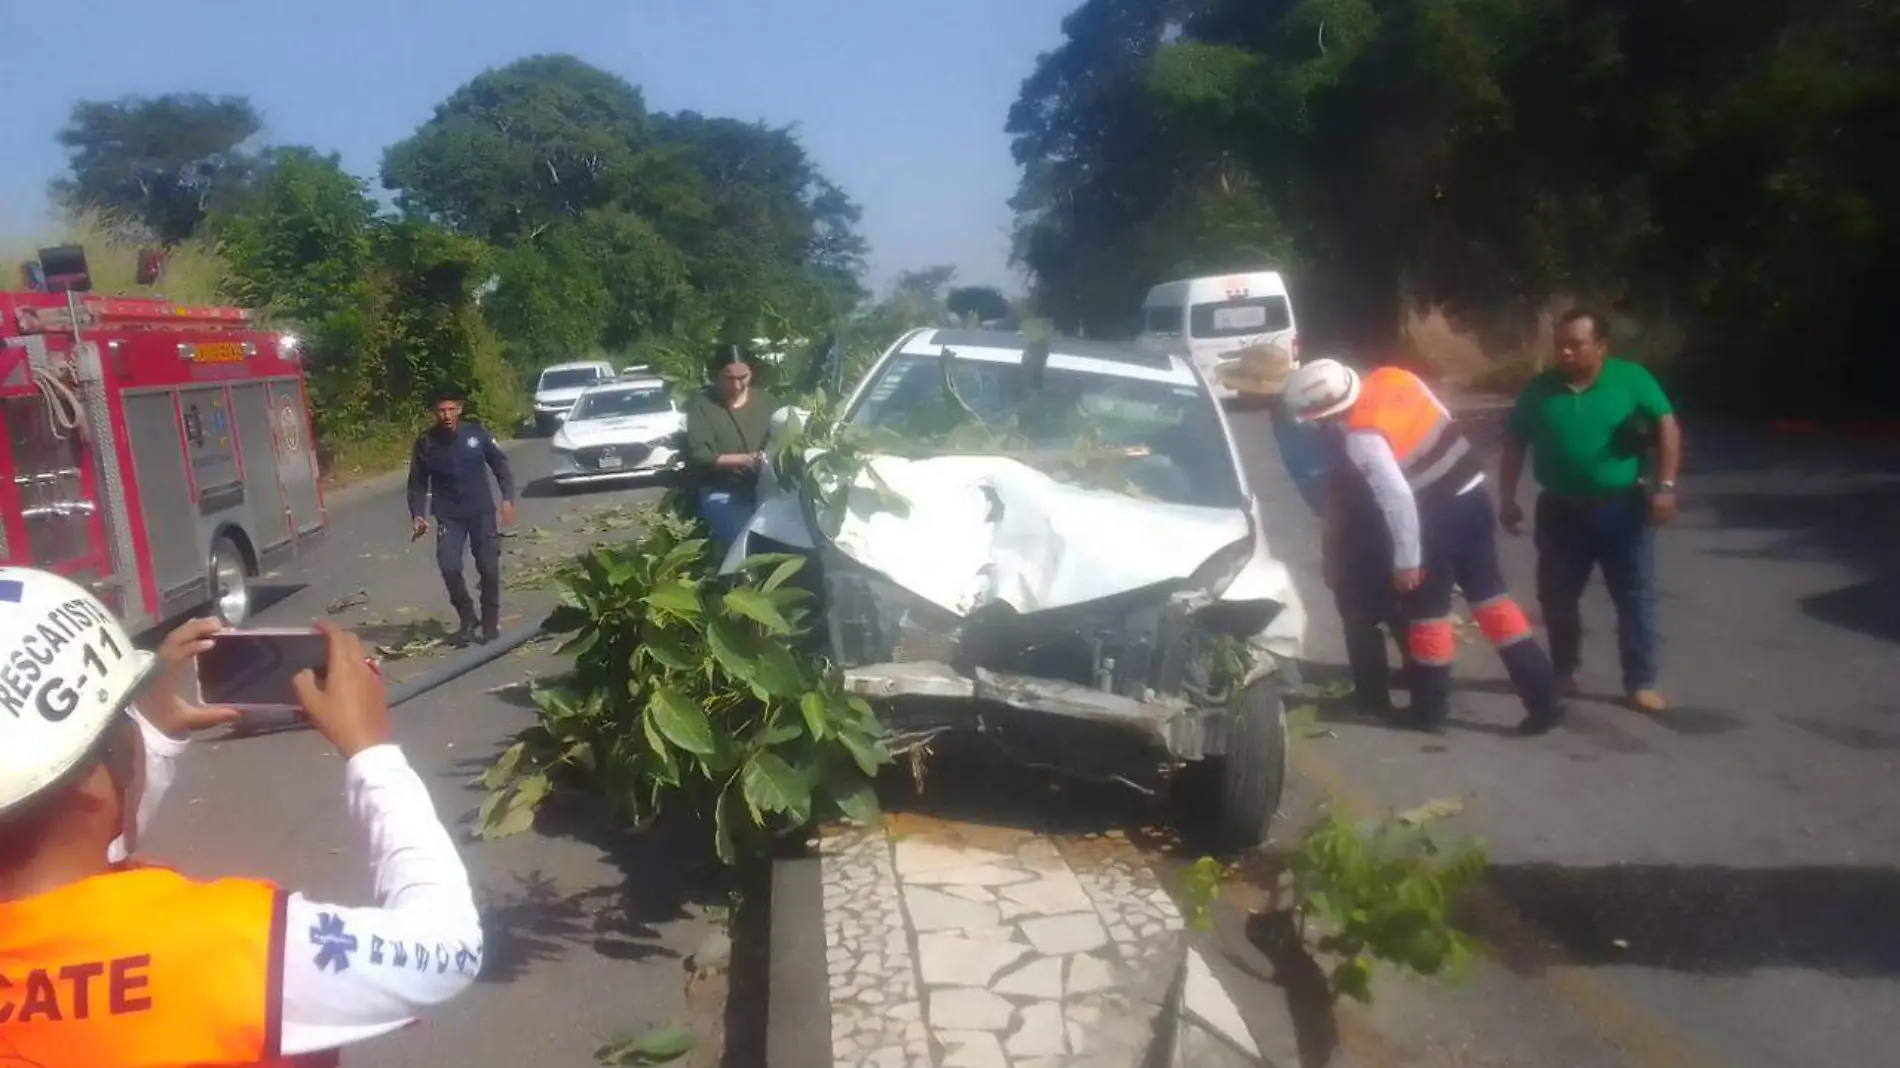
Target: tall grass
{"x":193,"y":273}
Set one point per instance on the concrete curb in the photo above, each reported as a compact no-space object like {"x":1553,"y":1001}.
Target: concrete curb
{"x":798,"y":1008}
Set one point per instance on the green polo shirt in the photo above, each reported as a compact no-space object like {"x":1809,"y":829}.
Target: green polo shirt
{"x":1580,"y":439}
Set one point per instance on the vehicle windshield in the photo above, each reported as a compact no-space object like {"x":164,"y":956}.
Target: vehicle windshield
{"x":1153,"y":440}
{"x":569,"y":377}
{"x":613,"y":403}
{"x":1239,"y":318}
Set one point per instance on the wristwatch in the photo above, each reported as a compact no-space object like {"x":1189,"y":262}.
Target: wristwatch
{"x":1666,"y":486}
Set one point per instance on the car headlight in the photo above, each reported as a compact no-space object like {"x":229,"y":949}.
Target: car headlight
{"x":1220,"y":570}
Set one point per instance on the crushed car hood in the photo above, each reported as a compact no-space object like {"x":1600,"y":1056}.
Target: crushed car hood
{"x":981,"y":529}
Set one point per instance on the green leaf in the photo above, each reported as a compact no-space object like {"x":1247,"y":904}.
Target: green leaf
{"x":817,"y":712}
{"x":783,"y":572}
{"x":771,"y":785}
{"x":680,"y":720}
{"x":659,"y":1046}
{"x":869,"y":753}
{"x":769,"y":669}
{"x":503,"y":769}
{"x":859,"y":804}
{"x":580,"y":644}
{"x":767,"y":737}
{"x":747,"y":603}
{"x":511,"y":813}
{"x":678,"y":598}
{"x":722,"y":831}
{"x":671,"y":648}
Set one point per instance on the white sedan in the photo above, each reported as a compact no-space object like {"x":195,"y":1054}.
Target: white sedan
{"x":1077,"y":549}
{"x":620,"y":429}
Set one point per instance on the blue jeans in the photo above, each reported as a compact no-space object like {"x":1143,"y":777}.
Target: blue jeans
{"x":1574,"y":536}
{"x":725,"y":512}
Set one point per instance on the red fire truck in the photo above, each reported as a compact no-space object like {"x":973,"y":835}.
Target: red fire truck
{"x":157,"y":452}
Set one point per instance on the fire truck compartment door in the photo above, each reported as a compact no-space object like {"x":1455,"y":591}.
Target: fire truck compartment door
{"x":170,"y":515}
{"x":296,"y":457}
{"x":264,"y":493}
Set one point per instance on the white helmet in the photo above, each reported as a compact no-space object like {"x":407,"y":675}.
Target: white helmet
{"x":1321,"y":389}
{"x":67,"y":669}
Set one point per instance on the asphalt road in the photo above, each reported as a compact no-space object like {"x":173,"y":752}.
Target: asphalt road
{"x":1714,"y":885}
{"x":1711,"y":886}
{"x":586,"y":936}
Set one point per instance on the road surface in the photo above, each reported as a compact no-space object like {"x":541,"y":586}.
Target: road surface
{"x":1716,"y":885}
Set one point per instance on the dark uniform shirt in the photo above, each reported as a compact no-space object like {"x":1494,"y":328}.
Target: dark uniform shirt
{"x":451,"y":468}
{"x":714,"y":430}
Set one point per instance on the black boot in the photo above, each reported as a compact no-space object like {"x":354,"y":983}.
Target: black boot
{"x":464,"y":608}
{"x":491,"y":605}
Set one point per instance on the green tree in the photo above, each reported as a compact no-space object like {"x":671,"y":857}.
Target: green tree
{"x":1728,"y":169}
{"x":625,"y":230}
{"x":977,"y":303}
{"x":162,"y":164}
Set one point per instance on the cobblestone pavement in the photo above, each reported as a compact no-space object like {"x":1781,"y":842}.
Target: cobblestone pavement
{"x":968,"y":946}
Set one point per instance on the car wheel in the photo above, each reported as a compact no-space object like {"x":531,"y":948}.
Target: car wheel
{"x":1250,"y":778}
{"x":230,"y":583}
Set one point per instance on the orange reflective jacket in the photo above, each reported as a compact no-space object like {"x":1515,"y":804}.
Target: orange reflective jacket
{"x":1401,"y":408}
{"x":142,"y":968}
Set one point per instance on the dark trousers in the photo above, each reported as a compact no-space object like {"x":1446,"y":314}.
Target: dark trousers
{"x":480,"y":536}
{"x":1461,"y":551}
{"x":1362,"y":591}
{"x":1576,"y":536}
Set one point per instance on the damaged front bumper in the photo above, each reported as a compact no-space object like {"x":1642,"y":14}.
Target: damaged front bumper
{"x":1140,"y":663}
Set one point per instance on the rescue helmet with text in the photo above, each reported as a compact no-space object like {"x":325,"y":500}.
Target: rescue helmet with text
{"x":1321,"y":389}
{"x":67,"y":671}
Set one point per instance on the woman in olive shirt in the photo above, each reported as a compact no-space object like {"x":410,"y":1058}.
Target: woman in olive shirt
{"x":726,"y":427}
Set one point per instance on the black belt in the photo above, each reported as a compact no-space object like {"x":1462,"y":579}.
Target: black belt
{"x":1593,"y":499}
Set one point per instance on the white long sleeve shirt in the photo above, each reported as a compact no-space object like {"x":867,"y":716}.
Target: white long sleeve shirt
{"x":1372,"y":454}
{"x":356,"y":973}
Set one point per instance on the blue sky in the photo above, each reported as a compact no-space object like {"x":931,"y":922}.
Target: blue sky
{"x":902,"y":102}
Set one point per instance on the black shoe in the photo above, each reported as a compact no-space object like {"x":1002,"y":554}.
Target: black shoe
{"x":463,"y":636}
{"x":1532,"y":726}
{"x":488,"y":635}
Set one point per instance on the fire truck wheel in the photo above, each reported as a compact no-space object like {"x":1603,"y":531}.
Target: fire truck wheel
{"x":230,"y":583}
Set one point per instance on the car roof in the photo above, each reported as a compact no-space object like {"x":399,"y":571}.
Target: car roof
{"x":627,"y":385}
{"x":575,"y":365}
{"x":1112,"y":358}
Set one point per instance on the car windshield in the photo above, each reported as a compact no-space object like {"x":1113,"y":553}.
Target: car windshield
{"x":569,"y":377}
{"x":612,"y":403}
{"x":1155,"y":440}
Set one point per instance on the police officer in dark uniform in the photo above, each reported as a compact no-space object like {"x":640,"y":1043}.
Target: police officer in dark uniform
{"x":449,"y":468}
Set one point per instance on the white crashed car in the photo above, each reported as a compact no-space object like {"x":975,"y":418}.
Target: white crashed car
{"x":624,"y":428}
{"x":1079,"y":562}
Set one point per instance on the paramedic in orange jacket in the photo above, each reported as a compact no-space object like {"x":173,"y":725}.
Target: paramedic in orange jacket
{"x":110,"y":964}
{"x":1430,"y":488}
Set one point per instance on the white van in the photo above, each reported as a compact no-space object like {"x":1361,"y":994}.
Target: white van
{"x":1216,"y":317}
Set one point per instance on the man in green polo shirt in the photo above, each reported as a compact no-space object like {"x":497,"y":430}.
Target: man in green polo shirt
{"x":1591,"y":424}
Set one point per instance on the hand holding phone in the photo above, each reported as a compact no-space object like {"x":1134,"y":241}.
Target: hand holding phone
{"x":346,"y":701}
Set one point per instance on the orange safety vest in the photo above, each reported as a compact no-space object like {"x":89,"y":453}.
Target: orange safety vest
{"x":141,"y":968}
{"x":1430,"y":448}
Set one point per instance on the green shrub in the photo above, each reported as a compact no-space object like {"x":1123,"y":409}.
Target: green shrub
{"x":691,"y":689}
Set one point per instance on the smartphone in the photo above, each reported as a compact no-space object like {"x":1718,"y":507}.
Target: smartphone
{"x":252,"y":669}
